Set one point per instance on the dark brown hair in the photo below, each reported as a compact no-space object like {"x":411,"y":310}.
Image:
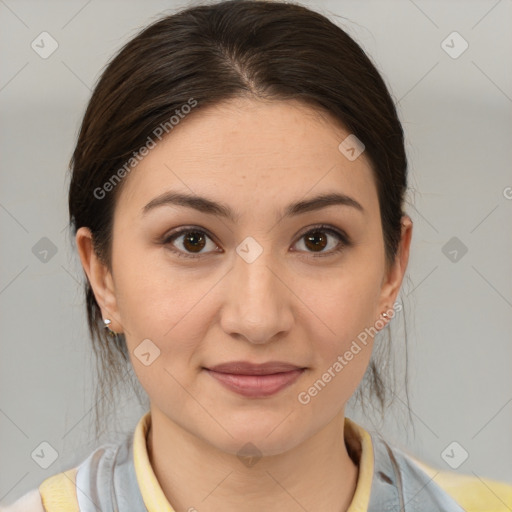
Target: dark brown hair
{"x":267,"y":50}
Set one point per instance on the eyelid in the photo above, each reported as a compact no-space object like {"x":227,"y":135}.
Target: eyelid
{"x":326,"y":227}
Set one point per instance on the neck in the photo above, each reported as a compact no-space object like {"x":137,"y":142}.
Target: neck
{"x":317,"y":474}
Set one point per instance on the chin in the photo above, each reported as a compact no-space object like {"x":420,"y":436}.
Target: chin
{"x":253,"y":436}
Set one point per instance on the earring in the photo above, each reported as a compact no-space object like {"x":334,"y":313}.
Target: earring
{"x":385,"y":315}
{"x":107,"y":322}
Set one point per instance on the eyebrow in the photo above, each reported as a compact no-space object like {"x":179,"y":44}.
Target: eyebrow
{"x":208,"y":206}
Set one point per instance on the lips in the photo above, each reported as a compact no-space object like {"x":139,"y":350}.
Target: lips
{"x":246,"y":368}
{"x":255,"y":380}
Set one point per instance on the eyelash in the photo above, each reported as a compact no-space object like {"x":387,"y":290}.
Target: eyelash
{"x":344,"y":240}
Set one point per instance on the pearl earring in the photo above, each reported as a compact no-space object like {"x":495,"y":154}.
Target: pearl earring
{"x":107,"y":322}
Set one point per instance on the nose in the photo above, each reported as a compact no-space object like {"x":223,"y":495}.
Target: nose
{"x":259,"y":302}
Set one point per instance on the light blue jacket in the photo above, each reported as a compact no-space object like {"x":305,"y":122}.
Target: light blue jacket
{"x":108,"y":480}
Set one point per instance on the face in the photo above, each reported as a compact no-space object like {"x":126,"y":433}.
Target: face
{"x":261,"y":284}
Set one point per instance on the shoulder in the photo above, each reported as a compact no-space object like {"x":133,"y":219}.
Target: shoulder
{"x":58,"y":493}
{"x":29,"y":502}
{"x":473,"y":493}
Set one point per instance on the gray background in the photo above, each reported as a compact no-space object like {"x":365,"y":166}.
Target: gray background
{"x":457,"y":116}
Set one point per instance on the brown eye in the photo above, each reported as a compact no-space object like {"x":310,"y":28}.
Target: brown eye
{"x":190,"y":243}
{"x":194,"y":241}
{"x":316,"y":241}
{"x":324,"y":241}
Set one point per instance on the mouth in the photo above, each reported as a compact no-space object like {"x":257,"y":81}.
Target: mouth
{"x":255,"y":380}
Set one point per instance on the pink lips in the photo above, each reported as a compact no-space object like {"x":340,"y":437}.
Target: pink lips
{"x":255,"y":380}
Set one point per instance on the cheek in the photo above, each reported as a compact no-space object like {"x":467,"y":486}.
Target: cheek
{"x":343,"y":331}
{"x":163,"y":307}
{"x":153,"y":298}
{"x":342,"y":348}
{"x":172,"y":309}
{"x":346,"y":304}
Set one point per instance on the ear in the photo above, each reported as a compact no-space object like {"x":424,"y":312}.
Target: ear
{"x":393,"y":279}
{"x":100,"y":278}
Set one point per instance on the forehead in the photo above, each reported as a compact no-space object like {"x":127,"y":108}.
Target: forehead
{"x":250,"y":152}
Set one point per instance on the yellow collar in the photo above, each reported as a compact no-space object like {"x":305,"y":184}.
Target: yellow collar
{"x":356,"y":438}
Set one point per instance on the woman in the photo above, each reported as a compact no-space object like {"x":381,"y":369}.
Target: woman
{"x":237,"y":200}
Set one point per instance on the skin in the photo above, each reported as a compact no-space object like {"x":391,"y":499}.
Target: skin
{"x":287,"y":305}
